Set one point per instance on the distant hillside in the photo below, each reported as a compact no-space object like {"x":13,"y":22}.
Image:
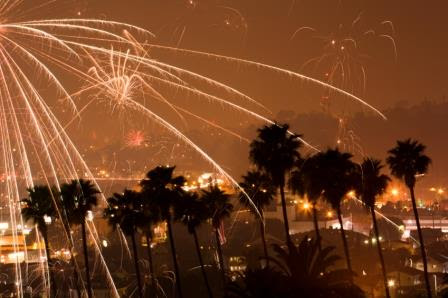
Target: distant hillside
{"x":427,"y":122}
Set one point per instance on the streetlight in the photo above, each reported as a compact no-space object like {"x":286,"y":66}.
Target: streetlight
{"x":306,"y":206}
{"x":395,"y":192}
{"x":47,"y":219}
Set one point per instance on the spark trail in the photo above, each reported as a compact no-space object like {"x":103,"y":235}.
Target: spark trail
{"x":110,"y":61}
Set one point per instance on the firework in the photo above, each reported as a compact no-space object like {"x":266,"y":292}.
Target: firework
{"x":210,"y":14}
{"x":344,"y":52}
{"x":135,"y":138}
{"x":111,"y":63}
{"x":341,"y":63}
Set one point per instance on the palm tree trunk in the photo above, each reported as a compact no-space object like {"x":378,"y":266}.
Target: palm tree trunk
{"x":173,"y":254}
{"x":263,"y":237}
{"x":50,"y":269}
{"x":380,"y":252}
{"x":151,"y":262}
{"x":75,"y":274}
{"x":344,"y":240}
{"x":137,"y":269}
{"x":422,"y":245}
{"x":285,"y":213}
{"x":316,"y":227}
{"x":86,"y":259}
{"x":221,"y":259}
{"x":201,"y":262}
{"x":66,"y":225}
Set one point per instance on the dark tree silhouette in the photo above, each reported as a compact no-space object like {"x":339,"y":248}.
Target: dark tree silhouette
{"x":303,"y":270}
{"x":38,"y":206}
{"x":149,"y":217}
{"x":258,"y":186}
{"x":164,"y":190}
{"x":124,"y":211}
{"x":275,"y":151}
{"x":407,"y":161}
{"x":306,"y":182}
{"x":374,"y":184}
{"x":259,"y":283}
{"x":78,"y":198}
{"x":192,"y":212}
{"x":338,"y":175}
{"x":219,"y":208}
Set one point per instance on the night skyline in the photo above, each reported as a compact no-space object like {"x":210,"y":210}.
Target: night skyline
{"x":223,"y":149}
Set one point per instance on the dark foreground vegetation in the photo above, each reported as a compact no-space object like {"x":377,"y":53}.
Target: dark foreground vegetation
{"x":305,"y":267}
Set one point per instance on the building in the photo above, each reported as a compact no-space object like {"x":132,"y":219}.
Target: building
{"x":14,"y":247}
{"x":436,"y":263}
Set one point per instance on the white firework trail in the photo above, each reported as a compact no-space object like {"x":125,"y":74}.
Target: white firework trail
{"x":37,"y":60}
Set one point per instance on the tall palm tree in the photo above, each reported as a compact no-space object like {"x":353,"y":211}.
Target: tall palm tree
{"x":305,"y":181}
{"x":149,"y":217}
{"x":275,"y":151}
{"x":124,"y":210}
{"x":258,"y":186}
{"x":406,"y":161}
{"x":339,"y":175}
{"x":374,"y":184}
{"x":37,"y":207}
{"x":164,"y":190}
{"x":79,"y":197}
{"x":192,"y":212}
{"x":219,"y":208}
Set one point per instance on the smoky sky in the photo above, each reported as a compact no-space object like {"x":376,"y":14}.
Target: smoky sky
{"x":262,"y":30}
{"x":418,"y":72}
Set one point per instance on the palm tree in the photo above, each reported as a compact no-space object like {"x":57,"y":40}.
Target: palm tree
{"x":258,"y":186}
{"x":305,"y":181}
{"x":304,"y":270}
{"x":192,"y":212}
{"x":407,"y":161}
{"x":275,"y":151}
{"x":79,"y":197}
{"x":339,"y":176}
{"x":37,"y":208}
{"x":374,"y":184}
{"x":164,"y":190}
{"x":149,"y":217}
{"x":219,"y":208}
{"x":124,"y":210}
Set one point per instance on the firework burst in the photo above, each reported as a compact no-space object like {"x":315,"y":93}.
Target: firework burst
{"x":344,"y":52}
{"x":342,"y":63}
{"x":211,"y":14}
{"x":40,"y":60}
{"x":135,"y":139}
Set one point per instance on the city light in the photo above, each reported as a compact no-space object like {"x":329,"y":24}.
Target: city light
{"x":143,"y":110}
{"x":306,"y":206}
{"x":438,"y":190}
{"x":89,"y":216}
{"x":4,"y":226}
{"x":47,"y":219}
